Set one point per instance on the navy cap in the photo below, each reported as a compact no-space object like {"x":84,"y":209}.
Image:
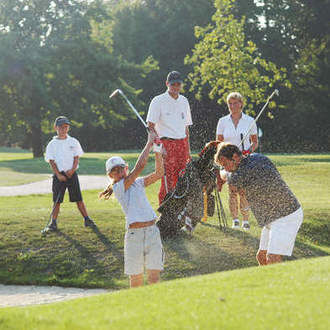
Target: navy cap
{"x":174,"y":77}
{"x":59,"y":121}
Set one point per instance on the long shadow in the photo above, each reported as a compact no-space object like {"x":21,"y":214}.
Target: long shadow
{"x":93,"y":263}
{"x":80,"y":248}
{"x":110,"y":247}
{"x":301,"y":250}
{"x":201,"y":257}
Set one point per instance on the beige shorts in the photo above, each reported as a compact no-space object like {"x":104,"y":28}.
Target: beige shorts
{"x":143,"y":248}
{"x":279,"y":236}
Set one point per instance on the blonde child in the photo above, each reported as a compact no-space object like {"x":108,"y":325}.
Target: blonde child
{"x":143,"y":246}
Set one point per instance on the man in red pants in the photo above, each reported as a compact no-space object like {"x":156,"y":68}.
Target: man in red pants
{"x":170,"y":117}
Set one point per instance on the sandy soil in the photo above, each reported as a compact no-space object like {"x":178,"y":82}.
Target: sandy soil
{"x":21,"y":295}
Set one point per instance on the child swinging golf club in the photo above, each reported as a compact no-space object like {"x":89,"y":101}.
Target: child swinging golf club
{"x":143,"y":246}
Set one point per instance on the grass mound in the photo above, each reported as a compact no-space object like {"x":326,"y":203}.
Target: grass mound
{"x":292,"y":295}
{"x":81,"y":257}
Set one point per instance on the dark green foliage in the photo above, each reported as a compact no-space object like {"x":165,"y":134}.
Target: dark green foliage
{"x":67,"y":59}
{"x":51,"y":65}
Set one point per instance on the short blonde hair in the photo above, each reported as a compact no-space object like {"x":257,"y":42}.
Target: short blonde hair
{"x":236,"y":96}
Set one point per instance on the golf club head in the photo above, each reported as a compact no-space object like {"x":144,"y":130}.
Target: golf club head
{"x":276,"y":92}
{"x":115,"y":92}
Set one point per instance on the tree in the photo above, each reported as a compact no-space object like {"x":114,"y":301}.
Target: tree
{"x":53,"y":65}
{"x":161,"y":29}
{"x":295,"y":34}
{"x":224,"y":61}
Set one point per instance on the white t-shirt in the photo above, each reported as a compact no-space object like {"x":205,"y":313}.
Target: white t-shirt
{"x":170,"y":116}
{"x":134,"y":202}
{"x":63,"y":151}
{"x":231,"y":134}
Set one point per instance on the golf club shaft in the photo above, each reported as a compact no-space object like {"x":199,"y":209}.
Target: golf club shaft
{"x":142,"y":121}
{"x":259,"y":114}
{"x":130,"y":104}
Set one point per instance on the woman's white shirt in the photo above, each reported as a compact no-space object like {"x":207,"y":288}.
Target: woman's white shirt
{"x":232,"y":134}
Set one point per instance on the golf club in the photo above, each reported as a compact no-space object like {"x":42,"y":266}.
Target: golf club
{"x":242,"y":141}
{"x":130,"y":104}
{"x":119,"y":91}
{"x":45,"y":230}
{"x":275,"y":92}
{"x":220,"y":210}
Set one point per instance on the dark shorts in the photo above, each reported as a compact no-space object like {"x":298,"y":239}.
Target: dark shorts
{"x":73,"y":186}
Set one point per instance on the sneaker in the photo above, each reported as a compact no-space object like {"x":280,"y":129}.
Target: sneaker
{"x":89,"y":223}
{"x":246,"y":225}
{"x":51,"y":227}
{"x":235,"y":224}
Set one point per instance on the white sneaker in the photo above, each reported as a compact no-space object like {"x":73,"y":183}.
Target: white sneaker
{"x":235,"y":224}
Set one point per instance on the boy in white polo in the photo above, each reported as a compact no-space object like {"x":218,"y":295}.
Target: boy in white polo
{"x":273,"y":204}
{"x":169,"y":117}
{"x":143,"y":246}
{"x":63,"y":153}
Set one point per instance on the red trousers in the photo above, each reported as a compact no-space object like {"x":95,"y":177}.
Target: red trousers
{"x":175,"y":160}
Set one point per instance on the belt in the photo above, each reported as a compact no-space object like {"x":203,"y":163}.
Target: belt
{"x":170,"y":139}
{"x":142,"y":224}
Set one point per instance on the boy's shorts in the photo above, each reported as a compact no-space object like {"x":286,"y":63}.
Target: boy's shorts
{"x":143,"y":247}
{"x":279,"y":236}
{"x":73,"y":186}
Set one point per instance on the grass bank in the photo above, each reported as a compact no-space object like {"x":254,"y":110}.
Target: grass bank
{"x":76,"y":256}
{"x":291,"y":295}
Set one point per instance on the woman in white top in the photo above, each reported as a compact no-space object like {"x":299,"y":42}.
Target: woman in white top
{"x":143,"y":246}
{"x":232,"y":128}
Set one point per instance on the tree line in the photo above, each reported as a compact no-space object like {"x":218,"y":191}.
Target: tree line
{"x":66,"y":57}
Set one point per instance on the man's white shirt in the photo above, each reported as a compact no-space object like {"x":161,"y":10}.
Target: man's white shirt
{"x":170,"y":116}
{"x":63,"y":151}
{"x":231,"y":134}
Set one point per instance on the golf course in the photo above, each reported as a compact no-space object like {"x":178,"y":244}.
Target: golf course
{"x":211,"y":279}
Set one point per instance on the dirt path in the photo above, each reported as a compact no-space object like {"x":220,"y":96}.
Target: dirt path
{"x":21,"y":295}
{"x":45,"y":186}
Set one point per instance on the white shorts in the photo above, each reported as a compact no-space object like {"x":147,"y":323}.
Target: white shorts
{"x":143,"y":247}
{"x":279,"y":236}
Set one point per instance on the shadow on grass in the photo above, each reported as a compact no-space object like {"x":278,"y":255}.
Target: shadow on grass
{"x":301,"y":250}
{"x":110,"y":247}
{"x":194,"y":256}
{"x":93,"y":269}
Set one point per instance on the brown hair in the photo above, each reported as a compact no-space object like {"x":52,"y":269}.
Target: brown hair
{"x":226,"y":149}
{"x":107,"y":192}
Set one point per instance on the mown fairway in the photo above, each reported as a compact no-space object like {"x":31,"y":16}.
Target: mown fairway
{"x":77,"y":256}
{"x":293,"y":295}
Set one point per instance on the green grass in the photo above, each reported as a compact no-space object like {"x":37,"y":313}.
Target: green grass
{"x":291,"y":295}
{"x":18,"y":167}
{"x":81,"y":257}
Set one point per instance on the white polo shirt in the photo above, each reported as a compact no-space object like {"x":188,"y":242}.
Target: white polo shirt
{"x":170,"y":116}
{"x":231,"y":134}
{"x":63,"y":151}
